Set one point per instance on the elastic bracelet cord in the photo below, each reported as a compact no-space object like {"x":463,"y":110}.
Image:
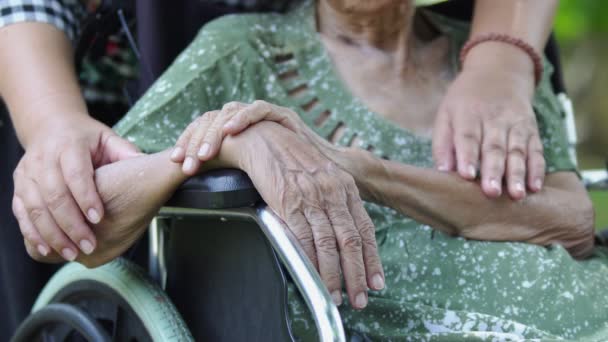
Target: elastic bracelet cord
{"x":505,"y":38}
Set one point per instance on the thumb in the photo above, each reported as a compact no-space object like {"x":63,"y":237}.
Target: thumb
{"x":117,"y":148}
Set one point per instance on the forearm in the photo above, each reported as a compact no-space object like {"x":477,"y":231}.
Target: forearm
{"x":38,"y":80}
{"x":132,"y":191}
{"x":445,"y":201}
{"x":529,"y":20}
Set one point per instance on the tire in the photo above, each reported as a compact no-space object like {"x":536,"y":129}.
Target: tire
{"x":152,"y":314}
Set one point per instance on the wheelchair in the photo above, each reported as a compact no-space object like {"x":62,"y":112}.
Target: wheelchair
{"x":219,"y":265}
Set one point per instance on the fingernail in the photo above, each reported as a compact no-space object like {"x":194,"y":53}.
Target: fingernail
{"x":68,"y":254}
{"x":86,"y":246}
{"x":189,"y":165}
{"x":443,"y":167}
{"x":472,"y":171}
{"x":204,"y":150}
{"x":519,"y":187}
{"x":494,"y":185}
{"x":361,"y":300}
{"x":337,"y":297}
{"x":93,"y":216}
{"x":177,"y":152}
{"x":538,"y":184}
{"x":377,"y":282}
{"x":43,"y":250}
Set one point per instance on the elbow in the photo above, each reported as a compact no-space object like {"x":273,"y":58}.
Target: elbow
{"x":581,"y":240}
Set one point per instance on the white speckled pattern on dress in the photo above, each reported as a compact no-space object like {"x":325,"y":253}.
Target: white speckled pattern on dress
{"x":439,"y":288}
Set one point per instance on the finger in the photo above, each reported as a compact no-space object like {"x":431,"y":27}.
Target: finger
{"x":327,"y":251}
{"x":493,"y":160}
{"x":63,"y":208}
{"x":192,"y":163}
{"x":516,"y":162}
{"x":179,"y":150}
{"x":51,"y":257}
{"x":77,"y":170}
{"x":29,"y":232}
{"x":43,"y":221}
{"x":351,"y":250}
{"x":256,"y":112}
{"x":367,"y":231}
{"x":467,"y":139}
{"x":536,"y":164}
{"x":301,"y":230}
{"x":117,"y":148}
{"x":214,"y":135}
{"x":443,"y":143}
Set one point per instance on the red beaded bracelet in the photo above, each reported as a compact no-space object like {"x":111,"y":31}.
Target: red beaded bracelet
{"x":505,"y":38}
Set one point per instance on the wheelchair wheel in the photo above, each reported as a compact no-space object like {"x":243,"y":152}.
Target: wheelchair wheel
{"x":112,"y":302}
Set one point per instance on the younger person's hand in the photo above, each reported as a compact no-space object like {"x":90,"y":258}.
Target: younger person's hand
{"x":486,"y":121}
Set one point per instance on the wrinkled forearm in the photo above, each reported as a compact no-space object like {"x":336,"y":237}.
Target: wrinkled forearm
{"x":558,"y":214}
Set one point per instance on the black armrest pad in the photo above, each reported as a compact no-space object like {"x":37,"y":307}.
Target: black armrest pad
{"x":216,"y":189}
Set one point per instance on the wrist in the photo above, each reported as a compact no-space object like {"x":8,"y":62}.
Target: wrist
{"x":232,"y":153}
{"x":498,"y":57}
{"x":50,"y":124}
{"x":362,"y":166}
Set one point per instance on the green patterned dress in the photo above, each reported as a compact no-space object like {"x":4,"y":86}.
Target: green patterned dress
{"x":438,"y":288}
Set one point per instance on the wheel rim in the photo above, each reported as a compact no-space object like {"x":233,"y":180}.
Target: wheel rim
{"x":105,"y":306}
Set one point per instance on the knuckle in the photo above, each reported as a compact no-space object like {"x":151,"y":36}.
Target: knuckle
{"x":71,"y":229}
{"x":519,"y":133}
{"x":231,"y":106}
{"x":494,"y":147}
{"x":57,"y":242}
{"x":208,"y":116}
{"x":57,"y":199}
{"x":470,"y":137}
{"x":351,"y":243}
{"x":305,"y":238}
{"x":310,"y":191}
{"x":517,"y":151}
{"x":260,"y":103}
{"x":78,"y":174}
{"x":35,"y":213}
{"x":367,"y":231}
{"x":326,"y":243}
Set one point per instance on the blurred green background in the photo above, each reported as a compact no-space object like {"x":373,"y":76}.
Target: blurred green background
{"x":581,"y":27}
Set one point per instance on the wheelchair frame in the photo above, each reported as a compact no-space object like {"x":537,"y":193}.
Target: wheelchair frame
{"x":324,"y":311}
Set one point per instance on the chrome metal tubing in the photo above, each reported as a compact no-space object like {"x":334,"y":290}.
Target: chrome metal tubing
{"x":157,"y":268}
{"x":325,"y":313}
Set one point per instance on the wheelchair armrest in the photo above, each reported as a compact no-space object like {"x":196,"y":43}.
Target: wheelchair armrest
{"x":216,"y":189}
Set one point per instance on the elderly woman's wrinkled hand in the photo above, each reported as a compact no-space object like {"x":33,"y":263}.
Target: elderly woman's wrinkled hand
{"x":320,"y":204}
{"x":486,"y":120}
{"x":318,"y":201}
{"x":202,"y":139}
